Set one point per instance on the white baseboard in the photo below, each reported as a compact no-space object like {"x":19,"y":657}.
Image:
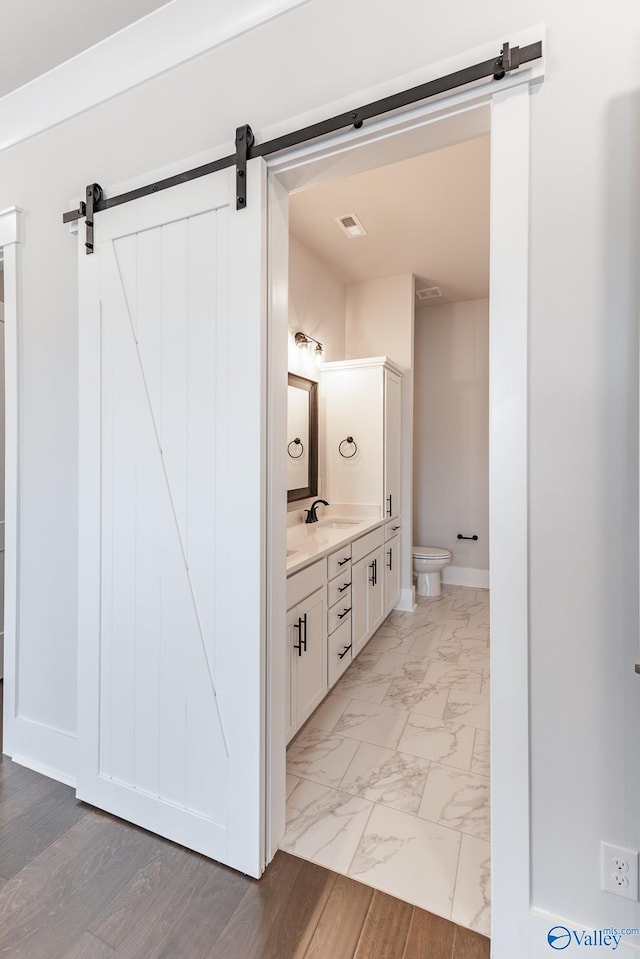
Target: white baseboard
{"x":44,"y":770}
{"x":407,"y":601}
{"x":45,"y":749}
{"x":465,"y":576}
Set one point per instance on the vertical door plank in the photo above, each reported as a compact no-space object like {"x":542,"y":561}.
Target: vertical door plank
{"x":174,"y":280}
{"x":121,"y":414}
{"x":150,"y":504}
{"x":206,"y":755}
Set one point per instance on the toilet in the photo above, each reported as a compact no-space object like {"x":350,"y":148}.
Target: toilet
{"x":428,"y":562}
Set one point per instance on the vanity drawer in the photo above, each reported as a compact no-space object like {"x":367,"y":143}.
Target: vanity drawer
{"x":339,"y":652}
{"x":339,"y":561}
{"x":339,"y":587}
{"x":366,"y":544}
{"x":392,"y":529}
{"x":340,"y":613}
{"x":304,"y":583}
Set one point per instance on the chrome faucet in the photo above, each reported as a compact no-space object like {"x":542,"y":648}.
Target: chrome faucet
{"x":312,"y":516}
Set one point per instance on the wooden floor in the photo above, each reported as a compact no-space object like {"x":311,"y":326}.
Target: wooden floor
{"x":76,"y":883}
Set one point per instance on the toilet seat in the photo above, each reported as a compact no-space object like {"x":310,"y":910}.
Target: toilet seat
{"x":433,"y":552}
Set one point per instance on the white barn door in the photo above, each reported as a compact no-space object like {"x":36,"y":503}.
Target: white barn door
{"x":172,"y":516}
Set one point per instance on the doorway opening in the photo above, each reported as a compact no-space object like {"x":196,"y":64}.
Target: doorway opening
{"x":505,"y":119}
{"x":387,"y":780}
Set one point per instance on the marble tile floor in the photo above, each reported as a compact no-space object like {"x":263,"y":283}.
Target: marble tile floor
{"x":388,"y":781}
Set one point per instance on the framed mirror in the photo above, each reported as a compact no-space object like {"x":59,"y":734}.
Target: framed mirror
{"x":302,"y":438}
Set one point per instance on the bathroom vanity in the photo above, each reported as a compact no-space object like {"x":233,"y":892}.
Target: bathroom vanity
{"x":343,"y":572}
{"x":342,"y":582}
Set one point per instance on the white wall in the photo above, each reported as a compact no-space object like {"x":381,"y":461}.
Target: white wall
{"x":317,"y":300}
{"x":379,"y":322}
{"x":584,"y":305}
{"x":451,"y":430}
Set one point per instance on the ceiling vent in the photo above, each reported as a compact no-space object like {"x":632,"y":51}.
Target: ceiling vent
{"x":351,"y":225}
{"x":430,"y":293}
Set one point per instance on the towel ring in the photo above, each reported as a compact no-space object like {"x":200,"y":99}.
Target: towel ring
{"x":298,"y":442}
{"x":350,"y":440}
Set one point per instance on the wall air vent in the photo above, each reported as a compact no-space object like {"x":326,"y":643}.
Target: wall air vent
{"x":350,"y":225}
{"x":430,"y":293}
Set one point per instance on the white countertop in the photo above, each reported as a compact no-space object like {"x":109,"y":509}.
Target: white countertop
{"x":307,"y":542}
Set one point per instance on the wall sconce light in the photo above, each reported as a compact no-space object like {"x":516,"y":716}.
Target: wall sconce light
{"x":304,"y":341}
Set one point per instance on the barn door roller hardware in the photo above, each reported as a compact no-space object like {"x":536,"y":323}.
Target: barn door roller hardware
{"x":244,"y":142}
{"x":509,"y":59}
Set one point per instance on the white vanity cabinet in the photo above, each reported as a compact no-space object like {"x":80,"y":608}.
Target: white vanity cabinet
{"x":391,"y":566}
{"x":361,"y":433}
{"x":334,"y":606}
{"x":367,"y":588}
{"x":306,"y":638}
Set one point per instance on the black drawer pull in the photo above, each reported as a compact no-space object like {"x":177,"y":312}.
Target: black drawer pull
{"x":341,"y":562}
{"x":341,"y":589}
{"x":390,"y":563}
{"x":474,"y":537}
{"x":395,"y":528}
{"x":344,"y":652}
{"x":342,"y":615}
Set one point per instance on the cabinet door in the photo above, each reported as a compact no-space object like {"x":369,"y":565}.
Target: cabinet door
{"x":359,"y":604}
{"x":391,"y":573}
{"x":392,"y":442}
{"x":353,"y":405}
{"x":310,"y":660}
{"x":375,"y":591}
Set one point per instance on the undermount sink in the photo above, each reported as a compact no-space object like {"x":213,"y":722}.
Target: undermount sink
{"x":339,"y":523}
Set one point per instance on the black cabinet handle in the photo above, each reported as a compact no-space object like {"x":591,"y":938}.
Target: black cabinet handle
{"x":389,"y":510}
{"x":343,"y":614}
{"x":390,"y":563}
{"x":344,"y":651}
{"x":304,"y":620}
{"x":298,"y":645}
{"x":373,"y":566}
{"x":341,"y":562}
{"x":395,"y":528}
{"x":341,"y":589}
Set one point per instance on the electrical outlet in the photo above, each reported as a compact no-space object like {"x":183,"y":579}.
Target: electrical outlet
{"x":620,"y":871}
